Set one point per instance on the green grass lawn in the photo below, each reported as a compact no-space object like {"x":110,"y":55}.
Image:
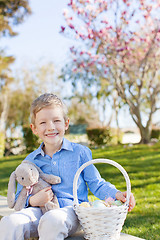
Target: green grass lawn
{"x":143,"y":166}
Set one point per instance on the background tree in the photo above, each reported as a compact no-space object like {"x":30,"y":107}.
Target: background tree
{"x":119,"y":44}
{"x":83,"y":112}
{"x":93,"y":93}
{"x":5,"y":80}
{"x":12,"y":12}
{"x":29,"y":83}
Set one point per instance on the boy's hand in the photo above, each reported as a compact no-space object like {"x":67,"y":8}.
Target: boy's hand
{"x":41,"y":198}
{"x":122,"y":197}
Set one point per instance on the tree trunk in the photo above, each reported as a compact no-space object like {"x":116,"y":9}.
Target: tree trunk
{"x":145,"y":133}
{"x":3,"y":119}
{"x":2,"y":144}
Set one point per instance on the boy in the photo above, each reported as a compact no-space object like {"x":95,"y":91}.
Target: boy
{"x":56,"y":155}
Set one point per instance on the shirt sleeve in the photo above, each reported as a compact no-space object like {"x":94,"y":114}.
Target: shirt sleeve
{"x":97,"y":185}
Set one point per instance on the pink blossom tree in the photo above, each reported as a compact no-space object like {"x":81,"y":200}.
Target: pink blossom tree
{"x":119,"y":49}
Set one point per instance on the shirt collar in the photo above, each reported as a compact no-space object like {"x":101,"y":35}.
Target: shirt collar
{"x":39,"y":151}
{"x":66,"y":145}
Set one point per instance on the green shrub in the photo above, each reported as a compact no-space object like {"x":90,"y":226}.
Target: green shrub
{"x":155,"y":133}
{"x":31,"y":141}
{"x":99,"y":136}
{"x":116,"y":136}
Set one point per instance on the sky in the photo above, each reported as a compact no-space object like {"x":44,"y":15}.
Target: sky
{"x":38,"y":36}
{"x":39,"y":40}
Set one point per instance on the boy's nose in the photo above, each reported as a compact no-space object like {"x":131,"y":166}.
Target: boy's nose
{"x":51,"y":125}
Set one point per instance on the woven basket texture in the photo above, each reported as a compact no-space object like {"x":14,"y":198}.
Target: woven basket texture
{"x":101,"y":224}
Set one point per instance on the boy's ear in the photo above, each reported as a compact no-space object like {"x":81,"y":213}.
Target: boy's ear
{"x":33,"y":128}
{"x":67,"y":124}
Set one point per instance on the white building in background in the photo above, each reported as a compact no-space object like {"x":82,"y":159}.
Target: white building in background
{"x":130,"y":135}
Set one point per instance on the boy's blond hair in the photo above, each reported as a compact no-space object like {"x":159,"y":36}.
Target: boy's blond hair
{"x":46,"y":100}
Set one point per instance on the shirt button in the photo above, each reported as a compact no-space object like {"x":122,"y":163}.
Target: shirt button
{"x":54,"y":163}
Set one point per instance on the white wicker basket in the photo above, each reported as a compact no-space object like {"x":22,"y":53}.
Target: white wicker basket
{"x":102,"y":224}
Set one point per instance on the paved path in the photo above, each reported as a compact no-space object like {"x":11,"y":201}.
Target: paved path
{"x":4,"y":211}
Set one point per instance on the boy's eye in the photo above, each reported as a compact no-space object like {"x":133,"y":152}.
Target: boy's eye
{"x":57,"y":120}
{"x":42,"y":122}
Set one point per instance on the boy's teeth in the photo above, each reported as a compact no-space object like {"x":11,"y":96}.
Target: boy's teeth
{"x":51,"y":134}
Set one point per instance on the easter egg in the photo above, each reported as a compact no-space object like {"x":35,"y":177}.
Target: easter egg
{"x":98,"y":204}
{"x":109,"y":201}
{"x":85,"y":204}
{"x":118,"y":203}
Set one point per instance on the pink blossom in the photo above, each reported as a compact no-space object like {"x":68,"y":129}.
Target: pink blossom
{"x":71,"y":2}
{"x":82,"y":65}
{"x":62,"y":29}
{"x":126,"y":43}
{"x":71,"y":26}
{"x":81,"y":53}
{"x":74,"y":69}
{"x":90,"y":36}
{"x":90,"y":64}
{"x":93,"y":44}
{"x":121,"y":49}
{"x":104,"y":21}
{"x":123,"y":13}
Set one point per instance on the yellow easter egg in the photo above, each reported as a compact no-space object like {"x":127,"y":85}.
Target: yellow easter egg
{"x":85,"y":204}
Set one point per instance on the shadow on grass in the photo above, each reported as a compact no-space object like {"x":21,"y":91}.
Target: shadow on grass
{"x":144,"y":225}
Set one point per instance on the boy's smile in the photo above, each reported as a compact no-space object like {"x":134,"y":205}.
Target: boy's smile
{"x":50,"y":126}
{"x":51,"y":134}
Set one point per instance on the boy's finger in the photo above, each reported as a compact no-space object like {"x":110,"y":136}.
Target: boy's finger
{"x":130,"y":207}
{"x":123,"y":196}
{"x":47,"y":188}
{"x":123,"y":199}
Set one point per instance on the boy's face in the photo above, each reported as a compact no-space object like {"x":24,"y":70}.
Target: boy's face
{"x":50,"y":126}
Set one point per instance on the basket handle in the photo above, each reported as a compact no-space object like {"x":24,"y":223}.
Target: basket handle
{"x":101,"y":160}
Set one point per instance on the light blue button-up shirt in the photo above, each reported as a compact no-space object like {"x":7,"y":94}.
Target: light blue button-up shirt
{"x":65,"y":164}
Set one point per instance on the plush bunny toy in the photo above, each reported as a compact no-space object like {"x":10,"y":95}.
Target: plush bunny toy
{"x":33,"y":180}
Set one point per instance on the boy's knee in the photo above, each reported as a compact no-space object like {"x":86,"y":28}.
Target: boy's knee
{"x":9,"y":221}
{"x":53,"y":219}
{"x":15,"y":226}
{"x":62,"y":222}
{"x":11,"y":227}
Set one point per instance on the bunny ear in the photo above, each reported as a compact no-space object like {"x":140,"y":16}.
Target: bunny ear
{"x":11,"y":190}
